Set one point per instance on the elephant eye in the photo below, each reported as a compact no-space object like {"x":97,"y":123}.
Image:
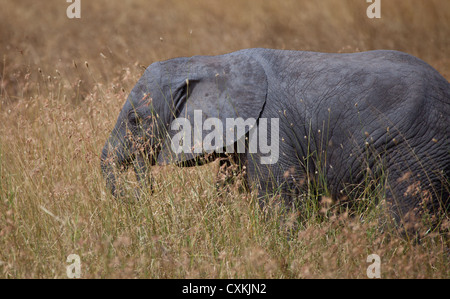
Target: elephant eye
{"x":133,"y":118}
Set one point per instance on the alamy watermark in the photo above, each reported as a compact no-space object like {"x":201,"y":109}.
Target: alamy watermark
{"x":374,"y":269}
{"x":73,"y":270}
{"x":374,"y":9}
{"x":74,"y":10}
{"x":258,"y":139}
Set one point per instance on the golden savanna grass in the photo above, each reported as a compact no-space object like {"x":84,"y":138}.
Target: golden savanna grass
{"x":63,"y":83}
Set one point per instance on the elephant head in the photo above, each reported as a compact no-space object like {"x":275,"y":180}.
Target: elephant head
{"x":228,"y":86}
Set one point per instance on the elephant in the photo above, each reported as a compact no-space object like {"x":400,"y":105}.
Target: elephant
{"x":344,"y":118}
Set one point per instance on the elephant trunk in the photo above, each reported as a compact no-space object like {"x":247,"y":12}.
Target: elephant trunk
{"x":108,"y":163}
{"x":115,"y":157}
{"x":142,"y":175}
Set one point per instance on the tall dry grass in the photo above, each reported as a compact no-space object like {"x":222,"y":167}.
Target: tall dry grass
{"x":63,"y":83}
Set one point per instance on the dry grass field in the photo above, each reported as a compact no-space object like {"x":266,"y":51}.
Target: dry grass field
{"x":63,"y":82}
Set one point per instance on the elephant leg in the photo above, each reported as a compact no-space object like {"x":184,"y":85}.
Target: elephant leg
{"x":416,"y":198}
{"x":232,"y":170}
{"x":279,"y":185}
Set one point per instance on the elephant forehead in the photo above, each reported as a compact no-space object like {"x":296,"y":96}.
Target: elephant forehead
{"x":210,"y":65}
{"x":234,"y":64}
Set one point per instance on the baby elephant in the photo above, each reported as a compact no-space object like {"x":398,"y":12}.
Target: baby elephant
{"x":291,"y":117}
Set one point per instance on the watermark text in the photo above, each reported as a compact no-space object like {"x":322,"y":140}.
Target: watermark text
{"x":259,"y":140}
{"x":74,"y":10}
{"x":374,"y":9}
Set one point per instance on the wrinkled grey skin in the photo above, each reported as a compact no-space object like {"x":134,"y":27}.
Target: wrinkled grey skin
{"x":348,"y":118}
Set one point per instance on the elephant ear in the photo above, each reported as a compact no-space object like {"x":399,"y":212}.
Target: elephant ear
{"x":216,"y":89}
